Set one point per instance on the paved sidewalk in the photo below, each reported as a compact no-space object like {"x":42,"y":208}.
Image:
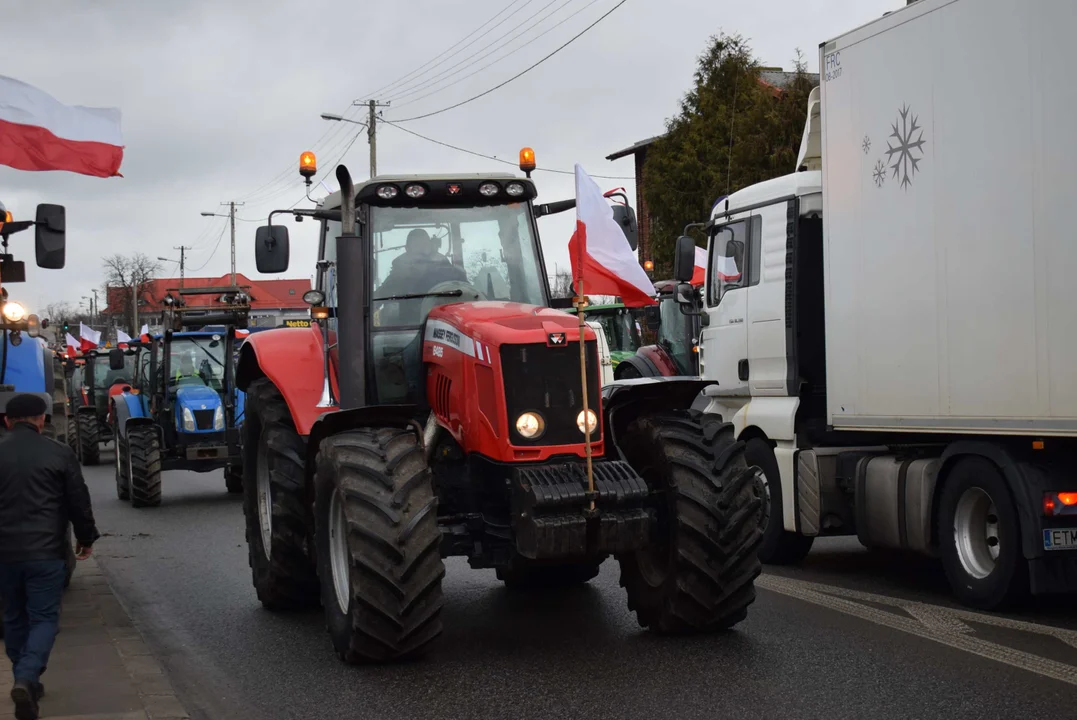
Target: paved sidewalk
{"x":100,"y":667}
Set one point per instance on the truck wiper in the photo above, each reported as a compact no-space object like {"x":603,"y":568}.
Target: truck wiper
{"x":412,"y":296}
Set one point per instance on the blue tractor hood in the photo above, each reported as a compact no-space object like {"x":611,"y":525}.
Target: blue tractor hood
{"x":197,"y":397}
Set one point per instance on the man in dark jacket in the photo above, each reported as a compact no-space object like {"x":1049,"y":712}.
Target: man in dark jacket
{"x":41,"y":491}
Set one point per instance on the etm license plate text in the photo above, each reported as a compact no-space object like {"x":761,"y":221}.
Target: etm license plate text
{"x":1064,"y":539}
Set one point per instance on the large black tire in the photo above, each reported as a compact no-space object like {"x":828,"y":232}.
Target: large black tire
{"x":520,"y":576}
{"x":57,"y":427}
{"x":779,"y":547}
{"x":123,"y":466}
{"x":1007,"y":583}
{"x":699,"y":573}
{"x":233,"y":479}
{"x":144,"y":452}
{"x":89,"y":438}
{"x":285,"y":577}
{"x":381,"y":481}
{"x":626,"y":371}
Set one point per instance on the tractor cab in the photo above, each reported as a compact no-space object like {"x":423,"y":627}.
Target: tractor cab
{"x":676,"y":329}
{"x":621,"y":328}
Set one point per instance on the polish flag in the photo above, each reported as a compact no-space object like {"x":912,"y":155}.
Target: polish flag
{"x":699,"y":275}
{"x":38,"y":132}
{"x":72,"y":345}
{"x":726,"y":267}
{"x":600,"y":254}
{"x":144,"y":334}
{"x":90,"y":338}
{"x":122,"y":338}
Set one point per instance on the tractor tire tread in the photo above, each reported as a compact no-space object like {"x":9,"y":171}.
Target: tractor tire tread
{"x":89,"y":435}
{"x":144,"y":449}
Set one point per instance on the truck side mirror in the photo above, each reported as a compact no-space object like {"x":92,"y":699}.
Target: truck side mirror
{"x":50,"y":236}
{"x":684,"y":259}
{"x":652,"y":317}
{"x":626,"y":218}
{"x":271,"y":249}
{"x":115,"y":359}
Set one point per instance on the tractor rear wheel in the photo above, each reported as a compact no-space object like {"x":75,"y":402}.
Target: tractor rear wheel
{"x":144,"y":466}
{"x":379,"y":547}
{"x":89,"y":439}
{"x":523,"y":576}
{"x":123,"y":466}
{"x":60,"y":429}
{"x":233,"y":479}
{"x":275,"y":504}
{"x":699,"y":573}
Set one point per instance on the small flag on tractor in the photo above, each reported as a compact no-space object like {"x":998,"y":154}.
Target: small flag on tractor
{"x":89,"y":337}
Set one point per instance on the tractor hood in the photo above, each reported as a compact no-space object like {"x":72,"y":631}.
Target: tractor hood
{"x":507,"y":323}
{"x":197,"y":397}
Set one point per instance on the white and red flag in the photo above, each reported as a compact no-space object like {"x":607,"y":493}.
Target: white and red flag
{"x":144,"y":334}
{"x":90,"y":338}
{"x":122,"y":338}
{"x":38,"y":132}
{"x":600,"y":253}
{"x":72,"y":345}
{"x":699,"y":275}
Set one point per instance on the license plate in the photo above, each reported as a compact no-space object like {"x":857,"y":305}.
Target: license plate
{"x":1060,"y":539}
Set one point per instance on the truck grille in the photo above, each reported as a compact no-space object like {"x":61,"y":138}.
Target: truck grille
{"x":546,"y":380}
{"x":203,"y":419}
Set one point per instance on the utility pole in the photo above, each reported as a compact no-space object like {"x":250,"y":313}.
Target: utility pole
{"x":372,"y":132}
{"x":96,"y":310}
{"x":232,"y":221}
{"x":184,"y":248}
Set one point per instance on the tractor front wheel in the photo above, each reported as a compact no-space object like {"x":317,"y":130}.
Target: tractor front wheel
{"x":379,"y":547}
{"x":123,"y":467}
{"x":144,"y":466}
{"x":698,"y":574}
{"x":89,"y":439}
{"x":274,"y":503}
{"x":233,"y":479}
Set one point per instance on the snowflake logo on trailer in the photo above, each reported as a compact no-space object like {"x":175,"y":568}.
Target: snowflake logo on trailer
{"x":908,"y":142}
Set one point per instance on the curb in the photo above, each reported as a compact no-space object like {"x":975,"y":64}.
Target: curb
{"x":148,"y":676}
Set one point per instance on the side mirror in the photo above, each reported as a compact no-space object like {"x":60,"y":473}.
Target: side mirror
{"x":685,"y":294}
{"x":115,"y":359}
{"x":271,"y":249}
{"x":652,"y":317}
{"x":684,"y":259}
{"x":50,"y":236}
{"x":626,"y":218}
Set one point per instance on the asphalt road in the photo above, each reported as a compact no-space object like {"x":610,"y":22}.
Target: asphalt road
{"x":849,"y":634}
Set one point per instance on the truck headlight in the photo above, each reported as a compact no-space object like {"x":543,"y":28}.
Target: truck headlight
{"x":591,"y":420}
{"x":188,"y":420}
{"x":530,"y":425}
{"x":218,"y":418}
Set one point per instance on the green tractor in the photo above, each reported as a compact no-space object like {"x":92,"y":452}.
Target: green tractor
{"x":621,"y":328}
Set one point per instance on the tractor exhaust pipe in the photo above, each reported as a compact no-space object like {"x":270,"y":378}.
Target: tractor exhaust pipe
{"x":352,"y":300}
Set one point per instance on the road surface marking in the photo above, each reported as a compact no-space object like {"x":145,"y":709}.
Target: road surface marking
{"x":932,"y":622}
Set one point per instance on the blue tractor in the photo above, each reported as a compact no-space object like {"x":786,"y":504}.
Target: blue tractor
{"x":182,"y":410}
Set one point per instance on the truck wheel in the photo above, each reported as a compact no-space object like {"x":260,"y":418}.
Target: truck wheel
{"x":980,"y":537}
{"x":144,"y":466}
{"x":89,"y":449}
{"x":699,"y":572}
{"x":379,"y":547}
{"x":233,"y":479}
{"x":123,"y":467}
{"x":546,"y":577}
{"x":779,"y":547}
{"x":274,"y":503}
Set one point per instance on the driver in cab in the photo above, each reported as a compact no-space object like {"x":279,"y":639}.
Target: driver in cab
{"x":418,"y":269}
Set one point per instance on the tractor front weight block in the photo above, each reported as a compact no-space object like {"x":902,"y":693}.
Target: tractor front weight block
{"x":551,"y":515}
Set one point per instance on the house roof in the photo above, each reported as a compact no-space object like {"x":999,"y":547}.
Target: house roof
{"x":265,"y":294}
{"x":632,"y":149}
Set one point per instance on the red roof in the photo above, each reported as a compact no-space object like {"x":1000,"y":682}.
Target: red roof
{"x":265,"y":294}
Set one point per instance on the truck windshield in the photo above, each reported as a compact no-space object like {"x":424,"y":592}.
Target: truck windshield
{"x":418,"y":251}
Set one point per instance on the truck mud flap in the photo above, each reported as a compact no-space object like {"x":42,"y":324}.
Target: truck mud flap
{"x":551,"y":515}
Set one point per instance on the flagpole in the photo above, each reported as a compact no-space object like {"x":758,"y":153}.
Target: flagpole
{"x":583,"y":381}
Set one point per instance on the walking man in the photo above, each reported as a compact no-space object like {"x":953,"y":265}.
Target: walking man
{"x":41,"y":491}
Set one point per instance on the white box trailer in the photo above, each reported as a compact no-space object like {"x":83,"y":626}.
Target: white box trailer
{"x":893,"y":327}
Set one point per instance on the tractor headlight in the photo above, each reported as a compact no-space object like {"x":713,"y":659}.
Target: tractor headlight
{"x":33,"y":325}
{"x":188,"y":420}
{"x":218,"y":418}
{"x":514,"y":189}
{"x":14,"y":312}
{"x":530,"y":425}
{"x":591,"y":422}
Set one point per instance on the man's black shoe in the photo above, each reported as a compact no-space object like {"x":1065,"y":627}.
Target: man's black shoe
{"x":39,"y":690}
{"x":25,"y":702}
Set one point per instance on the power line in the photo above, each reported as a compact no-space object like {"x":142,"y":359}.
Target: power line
{"x":495,"y":61}
{"x":470,"y":59}
{"x":497,"y":159}
{"x":215,"y":247}
{"x":520,"y":74}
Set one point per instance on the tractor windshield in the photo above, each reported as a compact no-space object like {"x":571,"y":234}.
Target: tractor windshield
{"x":676,"y":333}
{"x":621,"y":330}
{"x":196,"y":361}
{"x":104,"y":377}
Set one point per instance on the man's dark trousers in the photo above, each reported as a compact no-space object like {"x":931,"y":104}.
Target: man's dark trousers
{"x":32,"y":592}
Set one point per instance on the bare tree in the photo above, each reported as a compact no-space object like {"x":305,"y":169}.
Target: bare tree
{"x":58,"y":311}
{"x":130,"y":272}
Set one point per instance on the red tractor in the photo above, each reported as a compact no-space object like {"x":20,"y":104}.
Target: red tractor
{"x":676,"y":348}
{"x":435,"y":408}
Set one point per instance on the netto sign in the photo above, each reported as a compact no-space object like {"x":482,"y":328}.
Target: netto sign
{"x":296,"y":323}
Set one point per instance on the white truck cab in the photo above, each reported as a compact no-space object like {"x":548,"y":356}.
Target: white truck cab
{"x":891,"y":326}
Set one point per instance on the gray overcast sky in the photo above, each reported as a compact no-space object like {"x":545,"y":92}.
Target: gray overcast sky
{"x":219,"y":99}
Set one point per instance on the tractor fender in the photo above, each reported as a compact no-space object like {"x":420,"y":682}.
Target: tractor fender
{"x":659,"y":358}
{"x":292,"y":360}
{"x":624,"y":400}
{"x":331,"y":423}
{"x":641,"y":363}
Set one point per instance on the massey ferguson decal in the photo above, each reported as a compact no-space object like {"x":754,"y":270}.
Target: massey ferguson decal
{"x":438,"y":331}
{"x":555,"y":338}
